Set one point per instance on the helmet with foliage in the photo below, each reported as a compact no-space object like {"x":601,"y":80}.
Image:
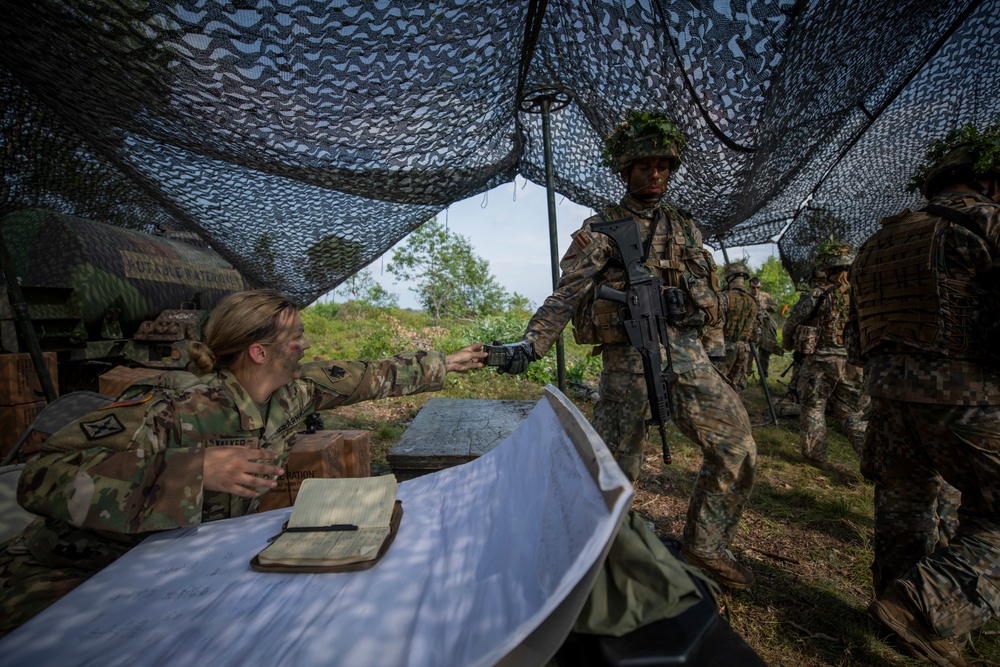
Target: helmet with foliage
{"x":735,"y":270}
{"x":833,"y":254}
{"x":643,"y":134}
{"x":964,"y":154}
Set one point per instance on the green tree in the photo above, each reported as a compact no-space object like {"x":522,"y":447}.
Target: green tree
{"x":362,"y":289}
{"x":448,"y":278}
{"x":775,"y":281}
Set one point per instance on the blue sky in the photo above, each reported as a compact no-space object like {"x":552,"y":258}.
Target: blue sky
{"x":508,"y":226}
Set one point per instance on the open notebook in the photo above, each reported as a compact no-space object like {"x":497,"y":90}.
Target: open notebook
{"x":337,"y":525}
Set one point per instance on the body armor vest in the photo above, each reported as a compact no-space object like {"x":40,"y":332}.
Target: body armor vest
{"x":598,"y":321}
{"x":903,"y":297}
{"x":740,"y":316}
{"x":831,"y":316}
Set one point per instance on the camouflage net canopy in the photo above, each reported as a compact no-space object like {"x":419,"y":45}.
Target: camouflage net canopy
{"x":303,"y":139}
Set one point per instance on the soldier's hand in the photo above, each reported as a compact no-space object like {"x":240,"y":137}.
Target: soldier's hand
{"x":241,"y":471}
{"x":466,"y":359}
{"x":510,"y":358}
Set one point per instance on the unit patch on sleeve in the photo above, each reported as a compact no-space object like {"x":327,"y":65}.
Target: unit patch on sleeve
{"x":335,"y":372}
{"x":102,"y":428}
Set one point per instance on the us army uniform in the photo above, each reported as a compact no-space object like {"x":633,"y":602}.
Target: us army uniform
{"x":826,"y":373}
{"x":934,"y":380}
{"x":108,"y":480}
{"x":739,"y":312}
{"x":706,"y":409}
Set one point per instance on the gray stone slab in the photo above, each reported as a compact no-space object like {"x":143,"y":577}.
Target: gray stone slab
{"x":451,"y":431}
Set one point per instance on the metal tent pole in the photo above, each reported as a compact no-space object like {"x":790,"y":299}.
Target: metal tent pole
{"x":545,"y":101}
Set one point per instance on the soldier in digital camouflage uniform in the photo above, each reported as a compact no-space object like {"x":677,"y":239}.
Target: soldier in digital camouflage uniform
{"x":184,"y":448}
{"x":927,"y":303}
{"x":815,"y":327}
{"x":644,"y":150}
{"x":739,"y":317}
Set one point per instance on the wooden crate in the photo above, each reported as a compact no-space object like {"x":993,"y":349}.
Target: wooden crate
{"x":321,"y":454}
{"x":18,"y":381}
{"x":13,"y":420}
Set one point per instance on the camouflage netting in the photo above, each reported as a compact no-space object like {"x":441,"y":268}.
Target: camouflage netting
{"x":303,"y":139}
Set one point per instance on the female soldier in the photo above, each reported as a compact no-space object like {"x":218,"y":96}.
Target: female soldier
{"x":187,"y":447}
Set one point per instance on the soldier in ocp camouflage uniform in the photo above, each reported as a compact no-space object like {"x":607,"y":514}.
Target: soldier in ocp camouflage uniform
{"x":815,"y":328}
{"x":927,"y":320}
{"x":185,"y":448}
{"x":739,"y":317}
{"x":643,"y":151}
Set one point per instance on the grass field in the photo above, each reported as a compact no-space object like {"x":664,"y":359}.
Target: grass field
{"x":806,"y":531}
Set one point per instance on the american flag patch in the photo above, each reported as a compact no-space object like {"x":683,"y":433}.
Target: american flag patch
{"x":582,"y":241}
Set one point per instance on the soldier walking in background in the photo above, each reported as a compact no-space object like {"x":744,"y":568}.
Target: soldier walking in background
{"x":765,"y":335}
{"x":927,"y":321}
{"x":739,"y":312}
{"x":644,"y":151}
{"x":815,"y":328}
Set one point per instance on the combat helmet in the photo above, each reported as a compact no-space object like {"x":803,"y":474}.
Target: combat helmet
{"x":833,"y":254}
{"x":643,"y":134}
{"x":964,"y":154}
{"x":735,"y":270}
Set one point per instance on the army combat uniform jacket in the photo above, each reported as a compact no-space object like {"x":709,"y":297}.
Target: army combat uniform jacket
{"x":109,"y":479}
{"x":706,"y":408}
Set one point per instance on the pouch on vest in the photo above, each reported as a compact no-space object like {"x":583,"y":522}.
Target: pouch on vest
{"x":806,"y":339}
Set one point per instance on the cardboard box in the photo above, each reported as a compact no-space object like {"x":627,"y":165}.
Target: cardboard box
{"x":18,"y":380}
{"x":14,"y":419}
{"x":321,"y":454}
{"x":120,"y":378}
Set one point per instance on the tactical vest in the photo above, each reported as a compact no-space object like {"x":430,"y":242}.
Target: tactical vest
{"x":672,"y":254}
{"x":831,"y":316}
{"x":740,"y":315}
{"x":903,"y":297}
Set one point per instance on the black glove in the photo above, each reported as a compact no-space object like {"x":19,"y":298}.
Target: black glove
{"x":674,"y":300}
{"x":510,"y":358}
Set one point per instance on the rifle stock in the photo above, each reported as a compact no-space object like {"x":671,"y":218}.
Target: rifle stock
{"x":642,"y":312}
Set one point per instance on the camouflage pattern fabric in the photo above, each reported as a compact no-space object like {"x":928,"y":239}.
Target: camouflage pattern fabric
{"x":765,"y":333}
{"x":826,"y":375}
{"x":830,"y":380}
{"x":937,"y":420}
{"x":740,"y":316}
{"x":108,"y":480}
{"x":707,"y":409}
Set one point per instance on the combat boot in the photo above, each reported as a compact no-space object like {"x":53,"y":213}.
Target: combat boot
{"x":725,"y":569}
{"x":896,"y":611}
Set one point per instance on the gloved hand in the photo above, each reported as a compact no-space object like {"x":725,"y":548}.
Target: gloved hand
{"x":510,"y":358}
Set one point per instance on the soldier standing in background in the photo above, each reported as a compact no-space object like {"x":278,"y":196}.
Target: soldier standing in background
{"x":644,"y":151}
{"x":739,"y":311}
{"x":815,"y":328}
{"x":928,"y":325}
{"x":765,"y":335}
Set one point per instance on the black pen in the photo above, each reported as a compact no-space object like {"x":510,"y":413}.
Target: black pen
{"x":317,"y":529}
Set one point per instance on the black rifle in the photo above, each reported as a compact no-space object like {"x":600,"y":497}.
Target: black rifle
{"x":645,"y":312}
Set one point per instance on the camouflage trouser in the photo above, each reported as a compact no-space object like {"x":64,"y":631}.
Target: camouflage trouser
{"x":27,"y":587}
{"x":709,"y":412}
{"x":909,"y":449}
{"x":765,"y":361}
{"x":734,"y":365}
{"x":826,"y":377}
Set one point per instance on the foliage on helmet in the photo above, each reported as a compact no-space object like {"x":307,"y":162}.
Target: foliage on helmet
{"x":643,"y":134}
{"x":963,"y":147}
{"x":833,"y":253}
{"x":734,"y":269}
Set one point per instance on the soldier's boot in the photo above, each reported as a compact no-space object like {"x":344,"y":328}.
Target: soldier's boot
{"x":896,"y":611}
{"x":725,"y":569}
